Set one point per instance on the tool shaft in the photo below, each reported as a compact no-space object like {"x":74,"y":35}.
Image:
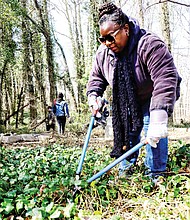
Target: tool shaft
{"x":115,"y":162}
{"x":85,"y":145}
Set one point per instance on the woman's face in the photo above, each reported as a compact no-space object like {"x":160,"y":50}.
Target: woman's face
{"x":114,"y":36}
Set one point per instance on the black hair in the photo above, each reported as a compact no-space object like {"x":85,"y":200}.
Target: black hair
{"x":60,"y":95}
{"x":110,"y":12}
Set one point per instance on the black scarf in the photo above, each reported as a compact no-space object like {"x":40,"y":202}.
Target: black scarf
{"x":126,"y":111}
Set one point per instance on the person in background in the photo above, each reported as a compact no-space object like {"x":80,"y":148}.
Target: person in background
{"x":50,"y":122}
{"x":145,"y":85}
{"x":61,"y":110}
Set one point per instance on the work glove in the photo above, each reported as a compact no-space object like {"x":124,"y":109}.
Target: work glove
{"x":157,"y":127}
{"x":95,"y":103}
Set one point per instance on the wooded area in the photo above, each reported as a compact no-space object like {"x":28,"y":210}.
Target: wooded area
{"x":48,"y":46}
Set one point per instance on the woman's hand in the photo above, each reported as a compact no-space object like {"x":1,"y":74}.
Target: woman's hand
{"x":158,"y":127}
{"x":95,"y":103}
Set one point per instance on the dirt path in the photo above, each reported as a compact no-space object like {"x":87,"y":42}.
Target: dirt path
{"x":70,"y":139}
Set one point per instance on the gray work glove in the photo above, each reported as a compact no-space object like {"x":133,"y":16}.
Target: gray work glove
{"x":95,"y":103}
{"x":157,"y":127}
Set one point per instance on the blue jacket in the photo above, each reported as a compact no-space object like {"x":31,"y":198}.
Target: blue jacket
{"x":61,"y":109}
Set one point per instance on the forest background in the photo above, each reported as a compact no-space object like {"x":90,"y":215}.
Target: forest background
{"x":48,"y":46}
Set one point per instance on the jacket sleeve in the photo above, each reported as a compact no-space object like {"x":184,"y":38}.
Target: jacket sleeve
{"x":97,"y":82}
{"x":66,"y":110}
{"x":54,"y":109}
{"x":164,"y":75}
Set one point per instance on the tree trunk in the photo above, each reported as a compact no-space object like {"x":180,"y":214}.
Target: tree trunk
{"x":46,"y":30}
{"x":141,"y":13}
{"x":2,"y":73}
{"x":27,"y":71}
{"x":75,"y":33}
{"x":165,"y":19}
{"x":66,"y":77}
{"x":37,"y":56}
{"x":19,"y":104}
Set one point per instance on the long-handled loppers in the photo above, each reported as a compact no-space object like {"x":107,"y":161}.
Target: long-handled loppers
{"x":118,"y":160}
{"x":99,"y":121}
{"x":79,"y":169}
{"x":111,"y":165}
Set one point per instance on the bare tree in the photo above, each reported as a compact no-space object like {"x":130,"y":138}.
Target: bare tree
{"x":171,"y":1}
{"x":27,"y":71}
{"x":141,"y":12}
{"x":66,"y":75}
{"x":165,"y":24}
{"x":46,"y":30}
{"x":72,"y":12}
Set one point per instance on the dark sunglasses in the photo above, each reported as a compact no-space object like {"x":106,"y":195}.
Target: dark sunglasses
{"x":109,"y":37}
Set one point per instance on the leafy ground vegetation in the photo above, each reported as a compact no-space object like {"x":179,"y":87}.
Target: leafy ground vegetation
{"x":38,"y":182}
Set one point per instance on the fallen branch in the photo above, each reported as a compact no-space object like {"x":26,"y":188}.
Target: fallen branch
{"x":38,"y":124}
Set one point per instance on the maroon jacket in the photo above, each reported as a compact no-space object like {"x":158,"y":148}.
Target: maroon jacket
{"x":155,"y":73}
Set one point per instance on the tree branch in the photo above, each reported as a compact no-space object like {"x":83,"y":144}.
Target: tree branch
{"x":14,"y":113}
{"x":175,"y":2}
{"x":171,"y":1}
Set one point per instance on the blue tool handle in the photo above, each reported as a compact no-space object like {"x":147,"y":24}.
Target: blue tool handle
{"x":115,"y":162}
{"x":85,"y":145}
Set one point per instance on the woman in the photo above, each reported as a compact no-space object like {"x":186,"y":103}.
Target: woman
{"x":145,"y":82}
{"x":60,"y":109}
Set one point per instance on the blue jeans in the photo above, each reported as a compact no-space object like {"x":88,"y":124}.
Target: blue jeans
{"x":156,"y":158}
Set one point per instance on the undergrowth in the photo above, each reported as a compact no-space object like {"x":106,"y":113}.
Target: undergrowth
{"x":38,"y":183}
